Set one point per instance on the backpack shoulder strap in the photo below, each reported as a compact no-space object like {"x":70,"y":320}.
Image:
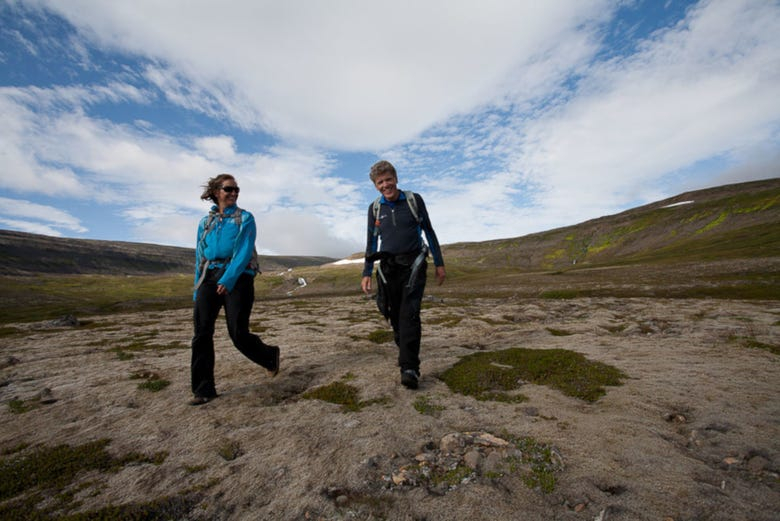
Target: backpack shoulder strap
{"x":376,"y":206}
{"x":412,"y":199}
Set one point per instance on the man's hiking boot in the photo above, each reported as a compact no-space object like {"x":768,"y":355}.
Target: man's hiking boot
{"x":274,"y":369}
{"x":409,"y":378}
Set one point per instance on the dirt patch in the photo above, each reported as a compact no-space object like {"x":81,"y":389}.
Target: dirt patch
{"x":692,"y":433}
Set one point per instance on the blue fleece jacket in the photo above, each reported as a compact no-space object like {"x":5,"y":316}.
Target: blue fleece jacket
{"x":227,"y":244}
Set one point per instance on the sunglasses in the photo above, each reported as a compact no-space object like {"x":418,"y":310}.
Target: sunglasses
{"x":231,"y":189}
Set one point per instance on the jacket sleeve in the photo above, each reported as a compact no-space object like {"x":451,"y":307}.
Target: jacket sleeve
{"x":198,"y":257}
{"x":243,"y":248}
{"x":430,"y":235}
{"x":372,"y":242}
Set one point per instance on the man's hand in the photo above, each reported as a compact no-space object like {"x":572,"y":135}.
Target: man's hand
{"x":365,"y":283}
{"x":441,"y":274}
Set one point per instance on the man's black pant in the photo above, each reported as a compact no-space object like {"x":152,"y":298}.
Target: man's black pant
{"x":405,"y":303}
{"x":238,"y":307}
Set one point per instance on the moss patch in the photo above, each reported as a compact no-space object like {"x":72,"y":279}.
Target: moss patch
{"x":489,"y":375}
{"x":342,"y":394}
{"x":46,"y":475}
{"x":152,"y":381}
{"x":380,"y":336}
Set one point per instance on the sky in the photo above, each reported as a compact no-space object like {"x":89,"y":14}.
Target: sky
{"x":509,"y":117}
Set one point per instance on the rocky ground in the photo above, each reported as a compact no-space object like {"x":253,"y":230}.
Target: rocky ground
{"x":692,"y":434}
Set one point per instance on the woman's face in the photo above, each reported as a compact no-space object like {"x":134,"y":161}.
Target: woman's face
{"x":387,"y":184}
{"x":227,"y":193}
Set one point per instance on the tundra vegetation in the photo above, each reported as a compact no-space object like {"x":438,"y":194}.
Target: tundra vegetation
{"x":705,"y":246}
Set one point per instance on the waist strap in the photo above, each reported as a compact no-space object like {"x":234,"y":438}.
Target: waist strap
{"x":204,"y":265}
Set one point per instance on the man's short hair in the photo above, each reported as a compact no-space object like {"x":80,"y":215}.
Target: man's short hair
{"x":381,"y":167}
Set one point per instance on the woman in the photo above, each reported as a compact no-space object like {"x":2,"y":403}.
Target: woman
{"x":225,"y":266}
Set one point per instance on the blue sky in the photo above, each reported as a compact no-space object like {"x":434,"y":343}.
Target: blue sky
{"x":509,"y":117}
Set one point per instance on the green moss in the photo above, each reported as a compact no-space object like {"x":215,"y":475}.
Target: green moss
{"x":452,"y":477}
{"x":488,"y":375}
{"x":445,"y":320}
{"x":752,"y":343}
{"x":380,"y":336}
{"x":342,"y":394}
{"x":542,"y":459}
{"x":17,"y":406}
{"x":153,"y":382}
{"x":230,"y":450}
{"x":558,"y":332}
{"x":56,"y":467}
{"x":424,"y":406}
{"x":560,"y":294}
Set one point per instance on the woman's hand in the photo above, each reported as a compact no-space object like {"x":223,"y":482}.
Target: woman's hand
{"x":221,"y":290}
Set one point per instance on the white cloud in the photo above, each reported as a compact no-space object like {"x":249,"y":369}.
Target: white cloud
{"x":37,"y":218}
{"x":155,"y":180}
{"x":354,"y":75}
{"x":623,"y":136}
{"x":702,"y":89}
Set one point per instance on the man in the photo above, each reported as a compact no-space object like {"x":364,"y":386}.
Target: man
{"x":398,"y":219}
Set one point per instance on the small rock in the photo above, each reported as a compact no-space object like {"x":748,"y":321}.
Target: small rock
{"x":675,"y":417}
{"x":46,"y":397}
{"x":451,"y":443}
{"x":579,"y":507}
{"x":8,"y":361}
{"x":757,"y":463}
{"x":731,"y":460}
{"x":472,"y":459}
{"x":493,"y":463}
{"x":530,"y":411}
{"x":425,"y":457}
{"x":342,"y":500}
{"x":489,"y":440}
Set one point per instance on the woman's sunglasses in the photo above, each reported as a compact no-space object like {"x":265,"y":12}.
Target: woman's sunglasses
{"x":231,"y":189}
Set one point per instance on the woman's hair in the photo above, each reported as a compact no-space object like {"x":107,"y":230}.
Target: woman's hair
{"x":381,"y":167}
{"x":214,"y":184}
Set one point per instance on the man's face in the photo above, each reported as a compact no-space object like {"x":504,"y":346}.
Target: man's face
{"x":387,"y":184}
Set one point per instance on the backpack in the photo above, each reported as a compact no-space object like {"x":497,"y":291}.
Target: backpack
{"x":410,"y":197}
{"x":238,"y":217}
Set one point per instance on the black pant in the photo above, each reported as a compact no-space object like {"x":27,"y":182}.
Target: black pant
{"x":238,"y":306}
{"x":405,"y":303}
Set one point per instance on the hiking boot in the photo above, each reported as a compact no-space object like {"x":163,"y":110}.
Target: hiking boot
{"x":274,"y":369}
{"x":200,"y":400}
{"x":409,"y":378}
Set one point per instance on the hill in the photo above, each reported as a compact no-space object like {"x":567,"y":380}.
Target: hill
{"x":728,"y":222}
{"x":26,"y":253}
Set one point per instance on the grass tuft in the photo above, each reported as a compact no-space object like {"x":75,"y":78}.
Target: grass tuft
{"x":424,"y":406}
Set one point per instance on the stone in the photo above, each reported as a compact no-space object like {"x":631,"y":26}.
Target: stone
{"x":472,"y":459}
{"x":489,"y":440}
{"x":757,"y":463}
{"x":451,"y":443}
{"x":493,"y":463}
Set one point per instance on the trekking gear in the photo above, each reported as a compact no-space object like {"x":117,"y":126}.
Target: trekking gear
{"x":238,"y":218}
{"x":409,"y":378}
{"x":410,"y":197}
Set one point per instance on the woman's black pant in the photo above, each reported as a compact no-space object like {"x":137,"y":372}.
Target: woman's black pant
{"x":238,"y":307}
{"x":405,"y":301}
